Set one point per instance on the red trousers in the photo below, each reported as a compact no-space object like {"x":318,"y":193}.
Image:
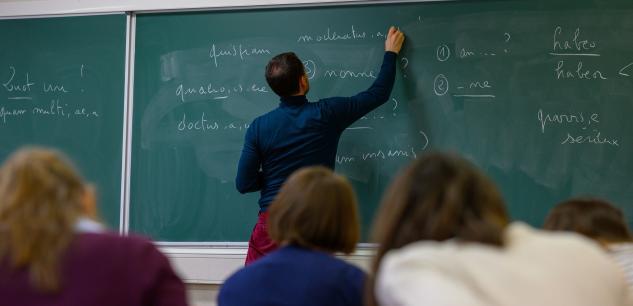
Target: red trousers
{"x":259,"y":244}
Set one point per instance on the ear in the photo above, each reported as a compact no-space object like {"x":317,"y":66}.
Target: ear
{"x":89,"y":202}
{"x":303,"y":84}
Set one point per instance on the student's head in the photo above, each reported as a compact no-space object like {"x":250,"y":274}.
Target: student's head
{"x":41,"y":199}
{"x":316,"y":209}
{"x":286,"y":75}
{"x":438,"y":197}
{"x":593,"y":218}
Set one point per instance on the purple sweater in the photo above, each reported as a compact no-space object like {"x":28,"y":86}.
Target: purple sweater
{"x":101,"y":269}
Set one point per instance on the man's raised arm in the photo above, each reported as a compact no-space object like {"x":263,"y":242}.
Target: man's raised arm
{"x":346,"y":111}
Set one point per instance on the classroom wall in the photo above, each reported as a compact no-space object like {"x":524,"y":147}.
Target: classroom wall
{"x":202,"y":295}
{"x":54,"y":7}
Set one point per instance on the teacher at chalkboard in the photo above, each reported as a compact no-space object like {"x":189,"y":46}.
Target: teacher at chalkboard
{"x":299,"y":133}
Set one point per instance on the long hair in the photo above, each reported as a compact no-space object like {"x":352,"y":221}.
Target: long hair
{"x":40,"y":201}
{"x":438,"y":197}
{"x":316,"y":209}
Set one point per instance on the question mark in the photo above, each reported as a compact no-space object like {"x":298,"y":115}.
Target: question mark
{"x":508,"y":36}
{"x":405,"y":62}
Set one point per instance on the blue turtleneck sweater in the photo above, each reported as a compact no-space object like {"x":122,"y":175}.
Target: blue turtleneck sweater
{"x":300,"y":133}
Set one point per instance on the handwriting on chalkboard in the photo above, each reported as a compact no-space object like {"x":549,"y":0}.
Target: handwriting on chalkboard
{"x":574,"y":45}
{"x":594,"y":138}
{"x":349,"y":74}
{"x":332,"y":35}
{"x":54,"y":88}
{"x":471,"y":89}
{"x":21,"y":89}
{"x":202,"y":123}
{"x":384,"y":154}
{"x":5,"y":113}
{"x":17,"y":87}
{"x":466,"y":53}
{"x":237,"y":51}
{"x":54,"y":110}
{"x":441,"y":87}
{"x":584,"y":121}
{"x":579,"y":118}
{"x":578,"y":73}
{"x":216,"y":92}
{"x":380,"y":154}
{"x":20,"y":86}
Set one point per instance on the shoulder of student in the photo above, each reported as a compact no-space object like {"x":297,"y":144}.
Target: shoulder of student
{"x":113,"y":247}
{"x":530,"y":258}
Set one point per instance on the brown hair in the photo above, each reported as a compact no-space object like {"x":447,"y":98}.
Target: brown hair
{"x":438,"y":197}
{"x":283,"y":74}
{"x":40,"y":201}
{"x":316,"y":209}
{"x":593,"y":218}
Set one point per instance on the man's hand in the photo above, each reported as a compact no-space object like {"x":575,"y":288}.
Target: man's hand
{"x":394,"y":41}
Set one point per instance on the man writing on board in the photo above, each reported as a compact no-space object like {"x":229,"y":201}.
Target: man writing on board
{"x":299,"y":133}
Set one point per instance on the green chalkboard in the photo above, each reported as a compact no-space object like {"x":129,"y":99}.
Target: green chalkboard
{"x":536,"y":93}
{"x":62,"y":85}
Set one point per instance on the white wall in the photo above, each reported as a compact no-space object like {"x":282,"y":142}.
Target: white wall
{"x":55,"y":7}
{"x":202,"y":295}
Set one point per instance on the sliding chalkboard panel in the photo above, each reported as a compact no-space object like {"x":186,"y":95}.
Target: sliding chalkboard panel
{"x":62,"y":86}
{"x":536,"y":93}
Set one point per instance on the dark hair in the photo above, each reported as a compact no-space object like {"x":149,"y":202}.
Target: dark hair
{"x":283,"y":74}
{"x":593,"y":218}
{"x":438,"y":197}
{"x":317,"y":209}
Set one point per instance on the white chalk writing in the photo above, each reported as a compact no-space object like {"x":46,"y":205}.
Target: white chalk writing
{"x":580,"y":72}
{"x":578,"y":118}
{"x":595,"y":138}
{"x":575,"y":44}
{"x":4,"y":113}
{"x":214,"y":92}
{"x":342,"y":74}
{"x":202,"y":123}
{"x":333,"y":35}
{"x":235,"y":51}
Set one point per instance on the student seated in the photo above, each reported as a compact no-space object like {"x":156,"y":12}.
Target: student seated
{"x":600,"y":221}
{"x":445,"y":239}
{"x":313,"y":216}
{"x":52,"y":252}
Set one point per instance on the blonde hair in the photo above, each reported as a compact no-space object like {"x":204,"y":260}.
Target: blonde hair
{"x":40,"y":201}
{"x":316,"y":209}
